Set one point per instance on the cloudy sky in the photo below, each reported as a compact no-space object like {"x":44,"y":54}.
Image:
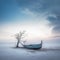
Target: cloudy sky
{"x":40,"y":18}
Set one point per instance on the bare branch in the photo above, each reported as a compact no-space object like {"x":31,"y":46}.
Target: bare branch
{"x":19,"y":37}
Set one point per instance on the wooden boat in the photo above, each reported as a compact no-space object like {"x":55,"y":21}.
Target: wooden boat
{"x":33,"y":46}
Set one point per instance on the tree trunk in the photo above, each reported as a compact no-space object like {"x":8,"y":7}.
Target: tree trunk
{"x":17,"y":44}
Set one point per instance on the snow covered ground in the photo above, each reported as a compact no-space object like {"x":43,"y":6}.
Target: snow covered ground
{"x":48,"y":52}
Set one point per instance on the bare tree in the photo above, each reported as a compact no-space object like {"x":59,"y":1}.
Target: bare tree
{"x":19,"y":37}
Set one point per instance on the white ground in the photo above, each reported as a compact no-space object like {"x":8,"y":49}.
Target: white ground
{"x":9,"y":52}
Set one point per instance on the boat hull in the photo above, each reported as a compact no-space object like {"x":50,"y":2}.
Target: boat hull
{"x":33,"y":46}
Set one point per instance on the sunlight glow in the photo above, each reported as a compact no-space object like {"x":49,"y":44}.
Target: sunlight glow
{"x":33,"y":31}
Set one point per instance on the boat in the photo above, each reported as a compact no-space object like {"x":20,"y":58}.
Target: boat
{"x":33,"y":46}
